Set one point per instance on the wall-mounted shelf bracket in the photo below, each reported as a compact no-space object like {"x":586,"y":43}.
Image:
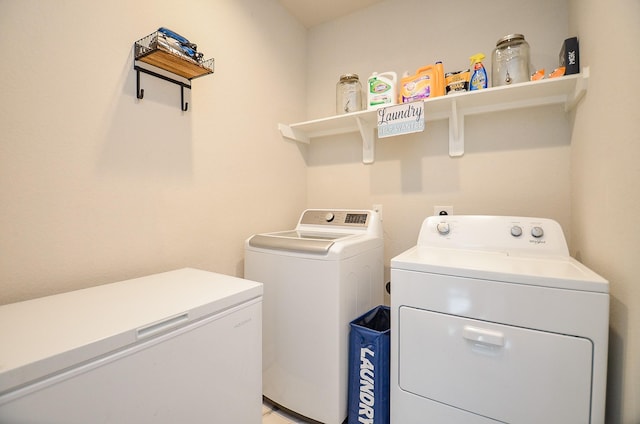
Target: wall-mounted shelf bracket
{"x":456,"y":131}
{"x":140,"y":92}
{"x":367,"y":132}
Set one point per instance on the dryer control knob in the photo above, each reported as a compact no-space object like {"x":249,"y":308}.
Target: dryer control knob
{"x":516,"y":231}
{"x":443,"y":228}
{"x":329,"y":216}
{"x":537,"y":232}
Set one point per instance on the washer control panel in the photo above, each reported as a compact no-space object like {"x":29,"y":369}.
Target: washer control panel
{"x":506,"y":234}
{"x":336,"y":217}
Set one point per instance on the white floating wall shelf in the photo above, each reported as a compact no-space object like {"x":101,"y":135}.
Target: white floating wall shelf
{"x":567,"y":90}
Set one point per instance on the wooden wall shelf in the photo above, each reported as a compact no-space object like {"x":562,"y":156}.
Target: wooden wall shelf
{"x":152,"y":51}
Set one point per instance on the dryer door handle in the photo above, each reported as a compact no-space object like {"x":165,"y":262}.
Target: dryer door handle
{"x":483,"y":335}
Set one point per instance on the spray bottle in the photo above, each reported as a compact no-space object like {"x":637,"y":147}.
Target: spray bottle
{"x":479,"y":78}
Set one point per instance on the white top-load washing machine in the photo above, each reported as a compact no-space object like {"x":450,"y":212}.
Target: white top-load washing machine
{"x":317,"y":278}
{"x":494,"y":322}
{"x":178,"y":347}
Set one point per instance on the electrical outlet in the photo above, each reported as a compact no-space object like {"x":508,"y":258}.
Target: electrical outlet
{"x":378,"y":208}
{"x":443,"y":210}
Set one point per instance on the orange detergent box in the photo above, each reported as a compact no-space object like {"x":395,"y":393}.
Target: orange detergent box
{"x":427,"y":82}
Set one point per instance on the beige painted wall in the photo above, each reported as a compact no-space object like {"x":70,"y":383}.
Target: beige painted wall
{"x":515,"y":163}
{"x":605,"y":177}
{"x":96,"y":186}
{"x":581,"y":169}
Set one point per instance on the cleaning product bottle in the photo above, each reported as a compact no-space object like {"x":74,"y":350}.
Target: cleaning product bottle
{"x":478,"y":73}
{"x":427,"y":82}
{"x":382,"y":90}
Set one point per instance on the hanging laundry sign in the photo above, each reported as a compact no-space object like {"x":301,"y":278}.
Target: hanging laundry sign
{"x":401,"y":119}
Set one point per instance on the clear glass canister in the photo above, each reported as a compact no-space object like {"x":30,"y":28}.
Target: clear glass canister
{"x":510,"y":61}
{"x":348,"y":94}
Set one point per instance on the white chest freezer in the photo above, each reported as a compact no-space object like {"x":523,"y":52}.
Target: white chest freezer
{"x":181,"y":346}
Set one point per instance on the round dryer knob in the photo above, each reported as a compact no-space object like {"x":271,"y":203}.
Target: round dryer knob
{"x":537,"y":232}
{"x":443,"y":228}
{"x":516,"y":231}
{"x":329,"y":216}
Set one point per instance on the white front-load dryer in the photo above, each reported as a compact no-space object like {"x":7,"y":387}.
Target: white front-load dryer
{"x":317,"y":278}
{"x":493,"y":322}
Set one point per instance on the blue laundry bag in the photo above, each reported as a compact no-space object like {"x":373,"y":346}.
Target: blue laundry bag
{"x":369,"y":370}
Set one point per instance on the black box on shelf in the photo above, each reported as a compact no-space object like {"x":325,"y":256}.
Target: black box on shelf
{"x":570,"y":56}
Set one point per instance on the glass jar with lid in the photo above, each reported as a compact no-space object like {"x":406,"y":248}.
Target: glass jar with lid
{"x":510,"y":61}
{"x":348,"y":94}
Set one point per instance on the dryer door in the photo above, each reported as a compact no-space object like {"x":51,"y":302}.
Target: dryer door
{"x":510,"y":374}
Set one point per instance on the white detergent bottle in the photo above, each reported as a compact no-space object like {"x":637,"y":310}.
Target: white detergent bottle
{"x":382,"y":90}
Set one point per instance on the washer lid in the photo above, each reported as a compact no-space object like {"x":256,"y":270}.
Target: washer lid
{"x":49,"y":334}
{"x":324,"y":234}
{"x":559,"y":272}
{"x":297,"y":241}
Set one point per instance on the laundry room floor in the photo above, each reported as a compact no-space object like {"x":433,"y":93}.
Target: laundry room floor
{"x":273,"y":415}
